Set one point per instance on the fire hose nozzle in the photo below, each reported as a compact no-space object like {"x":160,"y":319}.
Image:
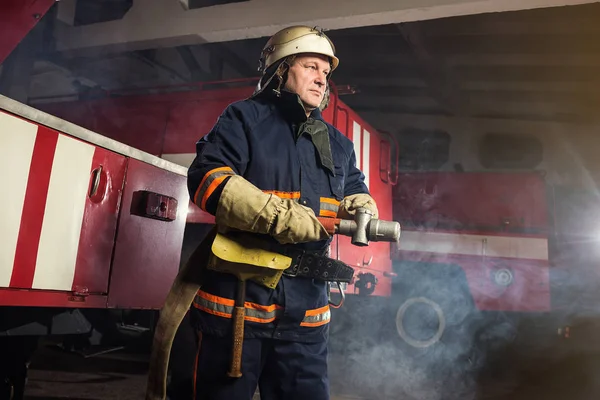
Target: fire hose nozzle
{"x":364,"y":229}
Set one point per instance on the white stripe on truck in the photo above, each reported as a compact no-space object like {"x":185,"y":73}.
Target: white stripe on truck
{"x":63,"y":216}
{"x":476,"y":245}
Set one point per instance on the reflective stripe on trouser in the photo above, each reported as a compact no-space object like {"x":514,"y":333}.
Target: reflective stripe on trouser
{"x":223,"y":307}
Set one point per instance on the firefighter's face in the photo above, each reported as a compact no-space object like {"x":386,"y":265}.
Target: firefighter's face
{"x":307,"y":76}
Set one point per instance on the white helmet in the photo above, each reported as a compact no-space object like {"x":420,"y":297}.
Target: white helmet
{"x":296,"y":40}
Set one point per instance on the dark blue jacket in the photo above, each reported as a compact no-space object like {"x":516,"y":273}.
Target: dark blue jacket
{"x":258,"y":139}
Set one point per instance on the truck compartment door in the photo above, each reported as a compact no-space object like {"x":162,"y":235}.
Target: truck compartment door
{"x":61,"y":199}
{"x":150,"y":236}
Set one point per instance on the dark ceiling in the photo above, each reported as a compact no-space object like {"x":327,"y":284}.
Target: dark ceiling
{"x":539,"y":65}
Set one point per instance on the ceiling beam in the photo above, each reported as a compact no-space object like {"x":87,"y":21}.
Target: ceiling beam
{"x":148,"y":57}
{"x":255,"y":19}
{"x":197,"y":73}
{"x":232,"y":59}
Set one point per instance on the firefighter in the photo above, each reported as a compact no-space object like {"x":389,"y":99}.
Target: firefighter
{"x":268,"y":167}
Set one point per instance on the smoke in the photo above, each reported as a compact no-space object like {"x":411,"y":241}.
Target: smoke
{"x":371,"y":361}
{"x":478,"y":353}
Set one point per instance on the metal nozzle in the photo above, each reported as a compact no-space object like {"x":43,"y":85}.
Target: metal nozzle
{"x":384,"y":231}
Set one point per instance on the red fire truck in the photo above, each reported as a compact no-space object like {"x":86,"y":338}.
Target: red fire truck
{"x":477,"y":247}
{"x":96,"y":225}
{"x":471,"y":241}
{"x":90,"y":224}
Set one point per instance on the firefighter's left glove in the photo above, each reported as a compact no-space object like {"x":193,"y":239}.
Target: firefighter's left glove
{"x":351,"y":203}
{"x":245,"y":207}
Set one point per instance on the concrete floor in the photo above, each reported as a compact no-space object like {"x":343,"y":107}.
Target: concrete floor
{"x":570,"y":374}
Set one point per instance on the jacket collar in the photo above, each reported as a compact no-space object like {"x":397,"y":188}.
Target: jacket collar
{"x":292,"y":108}
{"x":314,"y":126}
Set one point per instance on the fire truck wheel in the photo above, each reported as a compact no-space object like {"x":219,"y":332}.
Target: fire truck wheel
{"x":431,"y":314}
{"x":422,"y":341}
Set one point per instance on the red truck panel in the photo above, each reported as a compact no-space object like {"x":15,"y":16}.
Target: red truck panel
{"x":483,"y":202}
{"x":65,"y":199}
{"x":63,"y":208}
{"x":493,"y":225}
{"x":138,"y":125}
{"x":99,"y":226}
{"x":375,"y":258}
{"x":17,"y":18}
{"x":147,"y":250}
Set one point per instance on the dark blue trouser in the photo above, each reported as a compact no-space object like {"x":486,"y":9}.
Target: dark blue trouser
{"x":282,"y":370}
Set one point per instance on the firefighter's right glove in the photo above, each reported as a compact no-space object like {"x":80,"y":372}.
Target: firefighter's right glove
{"x":245,"y":207}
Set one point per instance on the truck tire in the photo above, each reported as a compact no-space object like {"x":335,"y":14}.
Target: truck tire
{"x":425,"y":340}
{"x":432,"y":313}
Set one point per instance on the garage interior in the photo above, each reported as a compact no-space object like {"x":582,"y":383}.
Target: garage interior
{"x":510,"y":91}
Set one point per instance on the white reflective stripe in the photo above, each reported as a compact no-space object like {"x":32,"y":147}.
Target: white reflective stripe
{"x":356,"y":140}
{"x":183,"y":159}
{"x":211,"y":305}
{"x":329,"y":207}
{"x":63,"y":215}
{"x":490,"y":246}
{"x":18,"y":140}
{"x":366,"y":159}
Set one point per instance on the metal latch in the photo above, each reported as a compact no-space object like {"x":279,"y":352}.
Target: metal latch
{"x":154,"y":205}
{"x":79,"y":294}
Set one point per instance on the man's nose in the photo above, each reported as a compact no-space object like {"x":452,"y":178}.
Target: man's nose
{"x":320,"y":80}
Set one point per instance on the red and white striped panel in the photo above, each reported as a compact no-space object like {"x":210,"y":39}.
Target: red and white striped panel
{"x":45,"y":176}
{"x":530,"y":248}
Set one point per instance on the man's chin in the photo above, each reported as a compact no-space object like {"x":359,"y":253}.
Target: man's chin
{"x":311,"y":105}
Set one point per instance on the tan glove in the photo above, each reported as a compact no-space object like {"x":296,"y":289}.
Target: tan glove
{"x":350,"y":203}
{"x":245,"y":207}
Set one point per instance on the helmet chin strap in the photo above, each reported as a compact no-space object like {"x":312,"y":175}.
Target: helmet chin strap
{"x":325,"y":101}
